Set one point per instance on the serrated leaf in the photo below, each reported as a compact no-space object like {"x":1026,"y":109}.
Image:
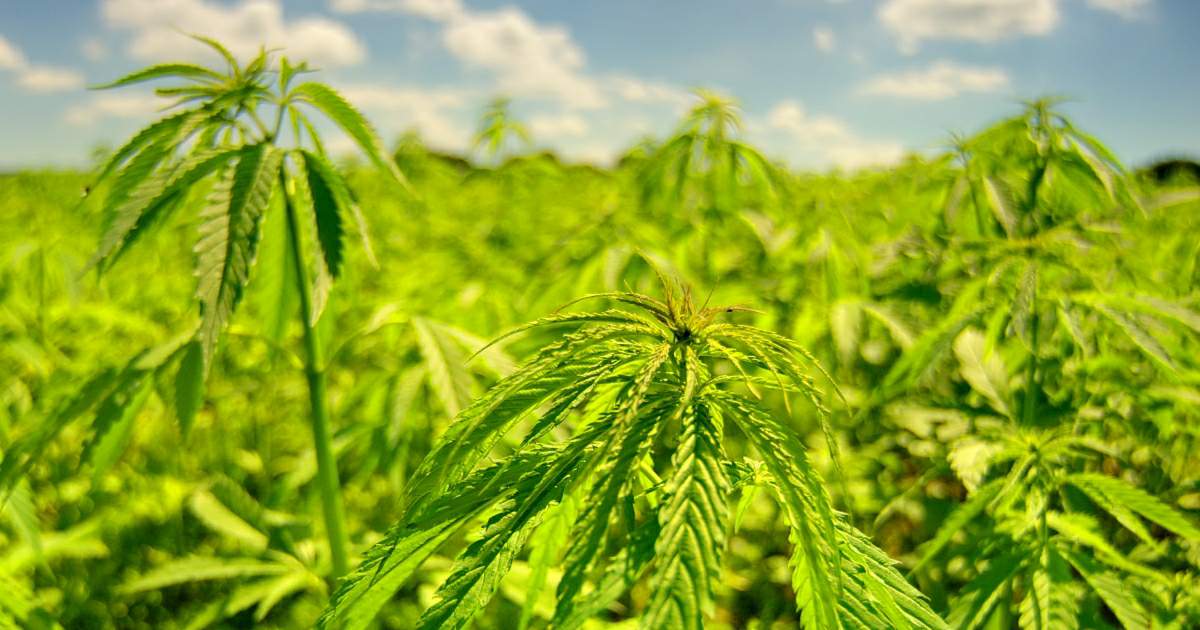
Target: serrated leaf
{"x":163,"y":71}
{"x":351,"y":121}
{"x":229,"y":239}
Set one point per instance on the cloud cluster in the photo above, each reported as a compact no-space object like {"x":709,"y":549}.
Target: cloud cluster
{"x":157,"y":30}
{"x":971,"y":20}
{"x":940,"y":81}
{"x":36,"y":78}
{"x":915,"y":21}
{"x":526,"y":58}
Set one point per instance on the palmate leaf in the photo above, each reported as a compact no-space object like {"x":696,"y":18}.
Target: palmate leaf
{"x":229,"y":238}
{"x":615,"y":383}
{"x":162,"y":131}
{"x":1050,"y":602}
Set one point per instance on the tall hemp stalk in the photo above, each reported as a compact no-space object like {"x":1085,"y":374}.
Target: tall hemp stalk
{"x":217,"y":143}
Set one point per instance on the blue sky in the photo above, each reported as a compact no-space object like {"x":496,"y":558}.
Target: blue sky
{"x":823,"y":83}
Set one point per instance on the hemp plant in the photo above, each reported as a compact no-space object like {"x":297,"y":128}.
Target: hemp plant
{"x":622,"y":478}
{"x":219,"y":145}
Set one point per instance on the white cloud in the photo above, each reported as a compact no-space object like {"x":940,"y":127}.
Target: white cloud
{"x":435,"y":112}
{"x":49,"y":79}
{"x":554,"y":126}
{"x":10,"y":56}
{"x":824,"y":39}
{"x":914,"y":21}
{"x":105,"y":106}
{"x":158,"y":28}
{"x":815,"y":140}
{"x":942,"y":80}
{"x":1129,"y":9}
{"x":35,"y":78}
{"x":432,"y":9}
{"x":528,"y":59}
{"x":639,"y":91}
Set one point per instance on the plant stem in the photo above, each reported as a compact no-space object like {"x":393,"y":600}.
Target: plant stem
{"x":314,"y":372}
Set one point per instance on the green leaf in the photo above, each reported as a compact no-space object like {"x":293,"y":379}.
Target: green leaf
{"x":984,"y":371}
{"x":328,"y":219}
{"x":1112,"y":591}
{"x":1000,"y":205}
{"x":189,"y":386}
{"x":1120,"y":495}
{"x":229,"y":239}
{"x":164,"y":71}
{"x":114,"y":427}
{"x":153,"y":196}
{"x":692,"y":527}
{"x":1139,"y":335}
{"x":982,"y":594}
{"x":220,"y":519}
{"x":197,"y":569}
{"x":446,"y":365}
{"x":816,"y":572}
{"x":351,"y":121}
{"x":316,"y":165}
{"x":846,"y":324}
{"x":958,"y":520}
{"x":547,"y":543}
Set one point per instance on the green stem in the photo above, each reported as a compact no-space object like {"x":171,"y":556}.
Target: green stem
{"x":1031,"y":367}
{"x":314,"y":372}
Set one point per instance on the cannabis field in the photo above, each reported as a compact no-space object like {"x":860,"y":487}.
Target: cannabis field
{"x":245,"y":382}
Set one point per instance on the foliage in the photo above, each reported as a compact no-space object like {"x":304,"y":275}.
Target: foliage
{"x":1012,"y":324}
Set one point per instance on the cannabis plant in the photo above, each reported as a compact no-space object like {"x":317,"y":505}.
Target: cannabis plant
{"x":498,"y":129}
{"x":1042,"y":279}
{"x":704,"y":179}
{"x":223,"y":149}
{"x":622,"y":477}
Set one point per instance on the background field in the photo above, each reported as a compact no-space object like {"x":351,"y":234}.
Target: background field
{"x":873,"y":270}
